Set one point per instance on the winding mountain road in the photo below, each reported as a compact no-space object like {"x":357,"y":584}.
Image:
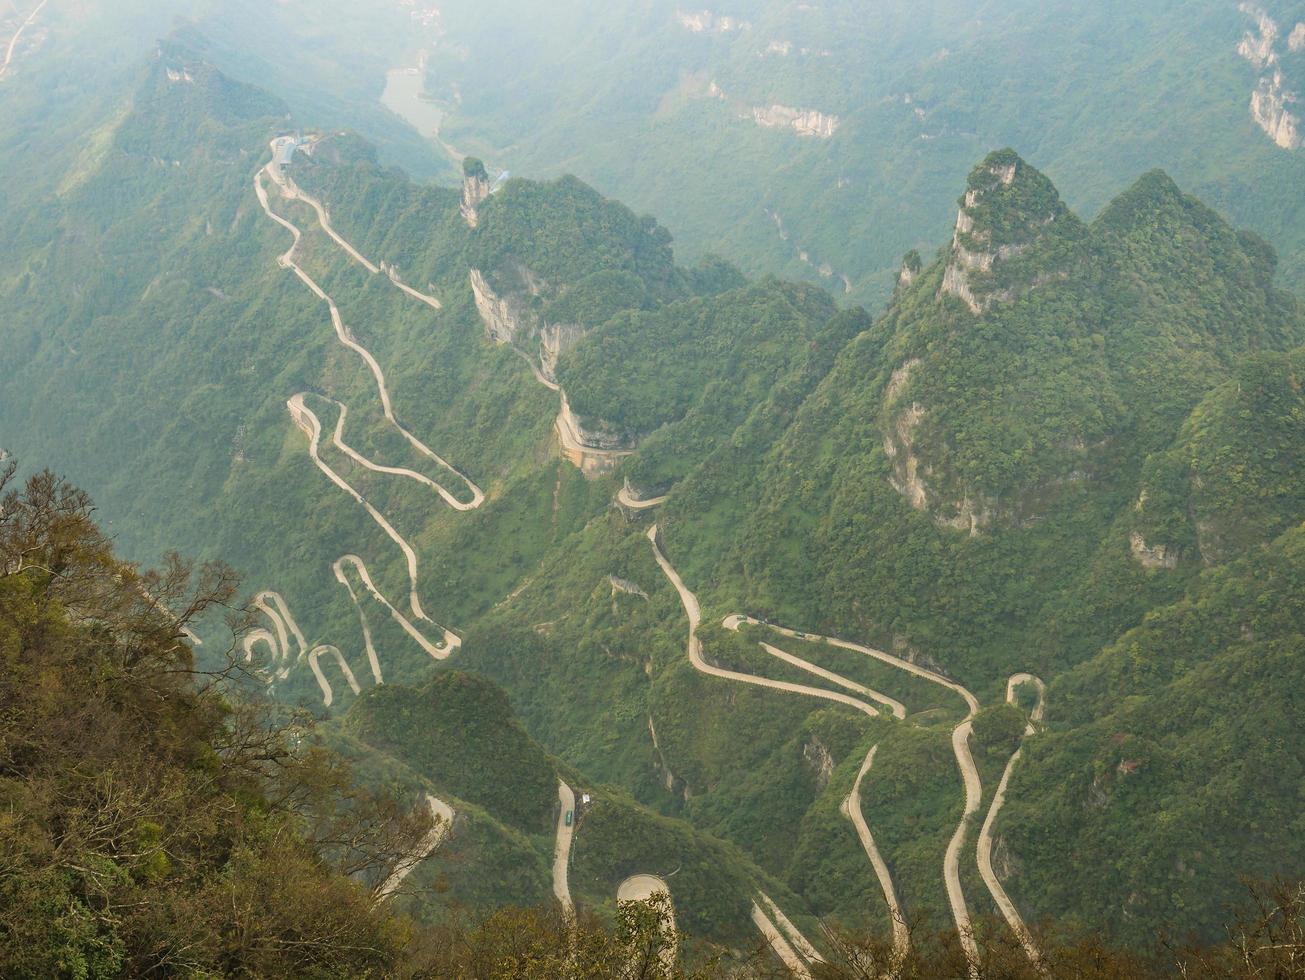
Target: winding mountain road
{"x":292,"y":191}
{"x":778,"y":944}
{"x":851,"y":809}
{"x":960,"y":735}
{"x":694,"y":613}
{"x":328,"y":695}
{"x":443,"y":816}
{"x":984,"y":849}
{"x":310,"y":424}
{"x":784,"y":938}
{"x":895,"y":707}
{"x":969,"y":775}
{"x":13,"y":41}
{"x":346,"y":338}
{"x":274,"y":607}
{"x":277,"y":640}
{"x":450,"y":641}
{"x":795,"y":936}
{"x":852,"y":805}
{"x":628,"y":499}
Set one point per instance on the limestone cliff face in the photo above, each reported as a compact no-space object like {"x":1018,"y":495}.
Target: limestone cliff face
{"x":1007,"y":209}
{"x":804,"y":122}
{"x":593,"y":433}
{"x":589,"y":446}
{"x":908,"y":473}
{"x":1269,"y":104}
{"x":1257,"y":46}
{"x":1272,"y":96}
{"x":707,"y":22}
{"x":508,"y":319}
{"x":475,"y":188}
{"x":504,"y":321}
{"x":554,"y":340}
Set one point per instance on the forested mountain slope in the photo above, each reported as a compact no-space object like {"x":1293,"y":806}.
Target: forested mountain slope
{"x":823,"y":140}
{"x":408,"y":416}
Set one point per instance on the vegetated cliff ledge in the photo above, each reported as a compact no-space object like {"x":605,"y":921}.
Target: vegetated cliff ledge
{"x":593,"y":448}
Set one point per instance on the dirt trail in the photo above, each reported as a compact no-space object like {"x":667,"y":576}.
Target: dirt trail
{"x":984,"y":849}
{"x":562,"y":849}
{"x":13,"y":41}
{"x":443,"y":814}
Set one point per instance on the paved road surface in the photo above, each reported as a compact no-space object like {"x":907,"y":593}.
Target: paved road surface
{"x":778,"y":944}
{"x":628,"y":499}
{"x":13,"y":41}
{"x":443,"y":815}
{"x":960,"y":734}
{"x":852,"y":810}
{"x":984,"y":850}
{"x":562,"y":850}
{"x":640,"y":888}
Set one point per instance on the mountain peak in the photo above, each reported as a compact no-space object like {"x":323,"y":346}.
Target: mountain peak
{"x":1008,"y":207}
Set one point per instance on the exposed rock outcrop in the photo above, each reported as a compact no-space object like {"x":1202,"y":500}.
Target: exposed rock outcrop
{"x":475,"y":188}
{"x":1257,"y":46}
{"x":818,"y":758}
{"x":911,"y":265}
{"x":1271,"y":97}
{"x":502,"y":319}
{"x":1269,"y":104}
{"x":554,"y":340}
{"x":908,"y":473}
{"x":592,"y":448}
{"x":625,"y":585}
{"x":672,"y":783}
{"x":1152,"y":556}
{"x":804,"y":122}
{"x":706,"y":22}
{"x":1008,"y":208}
